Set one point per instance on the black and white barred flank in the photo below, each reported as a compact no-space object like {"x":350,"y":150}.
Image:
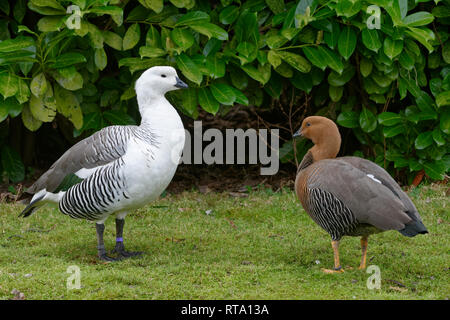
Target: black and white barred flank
{"x":94,"y":196}
{"x":330,"y":213}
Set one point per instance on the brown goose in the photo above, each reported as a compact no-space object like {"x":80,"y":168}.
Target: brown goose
{"x":349,"y":196}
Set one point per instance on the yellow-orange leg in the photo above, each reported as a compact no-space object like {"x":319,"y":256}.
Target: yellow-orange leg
{"x":337,"y":265}
{"x":364,"y":243}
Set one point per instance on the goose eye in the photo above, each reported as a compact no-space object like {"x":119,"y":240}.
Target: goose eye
{"x":308,"y":124}
{"x":163,"y":76}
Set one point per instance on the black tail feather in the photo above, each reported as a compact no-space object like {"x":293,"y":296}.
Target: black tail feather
{"x":31,"y":207}
{"x":414,"y":228}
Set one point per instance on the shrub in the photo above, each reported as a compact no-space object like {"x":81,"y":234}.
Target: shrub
{"x":390,"y":85}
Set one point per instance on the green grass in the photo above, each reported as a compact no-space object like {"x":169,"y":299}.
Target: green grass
{"x":260,"y":247}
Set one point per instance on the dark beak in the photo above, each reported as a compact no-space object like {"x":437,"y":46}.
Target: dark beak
{"x":180,"y":84}
{"x":298,"y":133}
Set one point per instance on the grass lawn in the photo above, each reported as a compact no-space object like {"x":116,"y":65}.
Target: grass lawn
{"x":263,"y":246}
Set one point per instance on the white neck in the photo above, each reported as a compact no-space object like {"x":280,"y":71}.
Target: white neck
{"x":158,"y":113}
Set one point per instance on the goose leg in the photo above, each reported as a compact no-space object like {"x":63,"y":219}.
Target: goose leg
{"x":337,"y":266}
{"x":120,"y":248}
{"x":100,"y":227}
{"x":364,"y":242}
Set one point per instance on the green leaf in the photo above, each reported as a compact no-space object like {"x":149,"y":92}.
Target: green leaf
{"x":302,"y":81}
{"x":38,"y":85}
{"x":240,"y":97}
{"x":228,"y":15}
{"x":435,"y":170}
{"x":118,"y":117}
{"x":182,"y":38}
{"x":113,"y":40}
{"x":277,"y":6}
{"x":153,"y":39}
{"x":443,"y":99}
{"x":151,"y":52}
{"x":246,"y":49}
{"x":274,"y":58}
{"x":215,"y":67}
{"x":131,"y":37}
{"x":223,"y":93}
{"x":189,"y":68}
{"x":100,"y":58}
{"x":367,"y":120}
{"x":51,"y":23}
{"x":335,"y":93}
{"x":210,"y":30}
{"x":207,"y":101}
{"x":20,"y":9}
{"x":338,"y":80}
{"x":444,"y":121}
{"x":190,"y":101}
{"x":390,"y":132}
{"x":155,"y":5}
{"x":68,"y":59}
{"x":347,"y":42}
{"x":437,"y":137}
{"x":95,"y":36}
{"x":423,"y":140}
{"x":418,"y":19}
{"x":332,"y":59}
{"x":316,"y":57}
{"x":348,"y":119}
{"x":12,"y":164}
{"x":371,"y":39}
{"x":365,"y":67}
{"x":260,"y":74}
{"x":392,"y":48}
{"x":135,"y":64}
{"x":10,"y":106}
{"x":23,"y":92}
{"x":68,"y":105}
{"x":30,"y":122}
{"x":389,"y":118}
{"x":296,"y":61}
{"x":424,"y":36}
{"x":332,"y":38}
{"x":4,"y":109}
{"x":9,"y":85}
{"x":40,"y":111}
{"x":16,"y":44}
{"x":192,"y":18}
{"x":116,"y":13}
{"x":68,"y":78}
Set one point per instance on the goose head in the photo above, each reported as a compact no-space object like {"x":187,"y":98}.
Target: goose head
{"x":157,"y":81}
{"x":325,"y":135}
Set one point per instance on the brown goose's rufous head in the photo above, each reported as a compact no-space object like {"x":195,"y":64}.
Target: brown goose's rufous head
{"x":324,"y":133}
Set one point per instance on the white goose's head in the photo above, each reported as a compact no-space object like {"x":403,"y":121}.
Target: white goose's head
{"x":158,"y":81}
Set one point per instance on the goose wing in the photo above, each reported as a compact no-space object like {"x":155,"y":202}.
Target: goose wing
{"x":378,"y":173}
{"x":99,"y":149}
{"x":370,"y":201}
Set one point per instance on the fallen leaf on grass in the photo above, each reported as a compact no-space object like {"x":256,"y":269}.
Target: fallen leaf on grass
{"x":238,"y":194}
{"x":17,"y":295}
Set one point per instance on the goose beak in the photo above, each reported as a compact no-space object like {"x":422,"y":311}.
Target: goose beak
{"x":298,"y":133}
{"x":180,"y":84}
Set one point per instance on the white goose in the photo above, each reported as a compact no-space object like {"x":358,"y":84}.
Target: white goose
{"x":123,"y":167}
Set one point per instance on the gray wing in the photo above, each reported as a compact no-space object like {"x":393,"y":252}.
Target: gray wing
{"x":99,"y":149}
{"x":371,"y":202}
{"x":368,"y":167}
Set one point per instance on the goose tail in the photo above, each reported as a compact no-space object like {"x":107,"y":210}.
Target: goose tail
{"x":38,"y":200}
{"x":414,"y":228}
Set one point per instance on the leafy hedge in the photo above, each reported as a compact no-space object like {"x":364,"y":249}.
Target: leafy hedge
{"x":390,"y":85}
